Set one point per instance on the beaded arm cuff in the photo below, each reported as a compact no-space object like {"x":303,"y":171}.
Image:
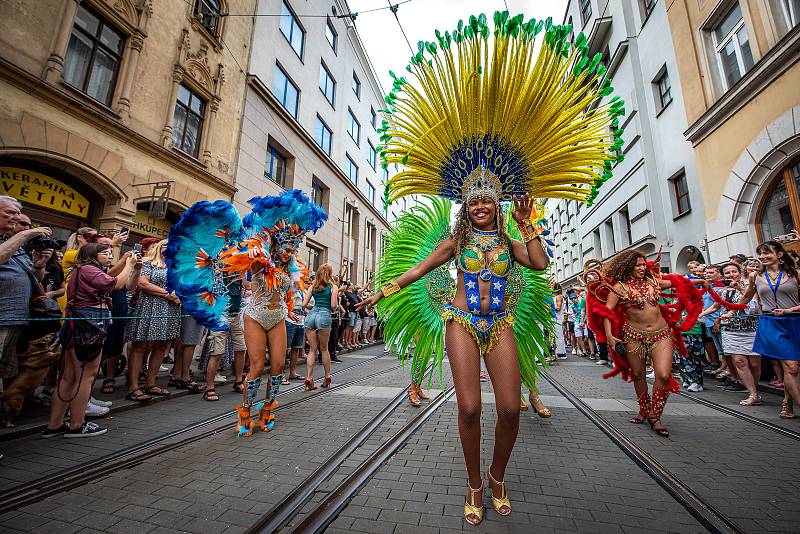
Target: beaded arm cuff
{"x":528,"y":231}
{"x":390,"y":289}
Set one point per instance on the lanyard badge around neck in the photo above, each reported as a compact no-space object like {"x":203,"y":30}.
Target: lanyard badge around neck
{"x":774,"y":288}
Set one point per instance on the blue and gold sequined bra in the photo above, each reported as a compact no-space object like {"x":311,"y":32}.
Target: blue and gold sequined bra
{"x":475,"y":266}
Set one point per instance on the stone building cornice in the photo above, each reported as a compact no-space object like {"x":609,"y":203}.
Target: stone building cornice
{"x":778,"y":60}
{"x":107,"y":121}
{"x":268,"y":98}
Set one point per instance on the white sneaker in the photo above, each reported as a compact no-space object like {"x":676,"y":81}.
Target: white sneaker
{"x":695,"y":388}
{"x":101,"y":403}
{"x":601,"y":362}
{"x":574,"y":351}
{"x":219,"y":379}
{"x":93,"y":410}
{"x":163,"y":369}
{"x":651,"y":375}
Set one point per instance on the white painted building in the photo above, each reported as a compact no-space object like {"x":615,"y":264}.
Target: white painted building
{"x":310,"y":120}
{"x":654,"y":196}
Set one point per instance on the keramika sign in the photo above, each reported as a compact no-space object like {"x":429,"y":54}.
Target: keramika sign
{"x":43,"y":191}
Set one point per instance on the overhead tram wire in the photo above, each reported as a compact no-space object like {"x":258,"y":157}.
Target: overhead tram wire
{"x":393,"y":8}
{"x":351,"y":15}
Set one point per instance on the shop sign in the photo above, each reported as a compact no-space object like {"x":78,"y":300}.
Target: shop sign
{"x":39,"y":190}
{"x":144,"y":225}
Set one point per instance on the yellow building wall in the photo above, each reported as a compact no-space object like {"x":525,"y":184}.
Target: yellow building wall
{"x":717,"y":154}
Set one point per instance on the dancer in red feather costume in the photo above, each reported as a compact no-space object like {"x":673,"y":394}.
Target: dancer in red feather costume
{"x":625,"y":310}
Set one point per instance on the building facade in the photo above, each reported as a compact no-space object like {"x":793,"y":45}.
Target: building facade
{"x":120,"y":112}
{"x":739,"y":60}
{"x":310,"y":119}
{"x":653,"y":200}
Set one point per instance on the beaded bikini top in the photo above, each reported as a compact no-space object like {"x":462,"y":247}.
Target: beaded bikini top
{"x":494,"y":268}
{"x":473,"y":259}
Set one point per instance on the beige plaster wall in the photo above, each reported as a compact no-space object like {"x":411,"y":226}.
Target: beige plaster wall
{"x":718,"y":153}
{"x":57,"y":125}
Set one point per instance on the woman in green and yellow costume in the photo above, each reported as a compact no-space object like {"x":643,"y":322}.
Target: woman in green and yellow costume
{"x":487,"y":120}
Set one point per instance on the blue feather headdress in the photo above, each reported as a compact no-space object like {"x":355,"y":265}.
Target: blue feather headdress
{"x":208,"y":248}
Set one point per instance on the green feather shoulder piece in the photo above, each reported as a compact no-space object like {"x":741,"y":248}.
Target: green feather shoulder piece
{"x":413,"y":317}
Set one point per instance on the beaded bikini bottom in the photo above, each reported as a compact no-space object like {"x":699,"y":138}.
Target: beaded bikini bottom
{"x":485,"y":329}
{"x":644,"y":340}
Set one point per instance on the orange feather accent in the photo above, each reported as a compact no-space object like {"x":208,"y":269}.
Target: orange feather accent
{"x":207,"y":297}
{"x":203,"y":260}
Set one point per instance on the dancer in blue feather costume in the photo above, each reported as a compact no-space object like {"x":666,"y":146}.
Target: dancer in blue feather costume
{"x":211,"y":242}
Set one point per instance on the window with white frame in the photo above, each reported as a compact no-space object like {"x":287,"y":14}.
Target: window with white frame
{"x":275,"y":168}
{"x":790,"y":9}
{"x":331,"y":35}
{"x":318,"y":193}
{"x":326,"y":83}
{"x":732,"y":47}
{"x":373,"y":118}
{"x":356,"y":86}
{"x":680,"y":194}
{"x":208,"y":13}
{"x":323,"y":135}
{"x":372,"y":156}
{"x":663,"y":88}
{"x":370,"y":193}
{"x":93,"y":57}
{"x":353,"y":127}
{"x":285,"y":91}
{"x":352,"y":170}
{"x":586,"y":10}
{"x":187,"y":124}
{"x":290,"y":28}
{"x":315,"y":257}
{"x":647,"y":7}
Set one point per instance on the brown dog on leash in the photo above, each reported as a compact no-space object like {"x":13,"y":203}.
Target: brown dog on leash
{"x":33,"y":367}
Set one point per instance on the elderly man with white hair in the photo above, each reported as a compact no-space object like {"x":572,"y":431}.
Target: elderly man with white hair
{"x":15,"y":282}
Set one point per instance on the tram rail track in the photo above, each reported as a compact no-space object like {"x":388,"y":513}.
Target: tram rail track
{"x":706,"y":514}
{"x":787,"y":432}
{"x":289,"y":506}
{"x":86,"y":472}
{"x":327,"y":510}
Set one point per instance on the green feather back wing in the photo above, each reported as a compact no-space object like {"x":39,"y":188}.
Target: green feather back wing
{"x":529,"y":301}
{"x":414,"y":314}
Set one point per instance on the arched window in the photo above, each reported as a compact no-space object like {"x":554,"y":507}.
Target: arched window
{"x":208,"y":12}
{"x":779,"y":212}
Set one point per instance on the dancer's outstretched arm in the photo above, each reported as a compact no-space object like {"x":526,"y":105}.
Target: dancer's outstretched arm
{"x":440,"y":256}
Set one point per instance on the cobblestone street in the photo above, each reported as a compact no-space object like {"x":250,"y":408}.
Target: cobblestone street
{"x":565,"y":474}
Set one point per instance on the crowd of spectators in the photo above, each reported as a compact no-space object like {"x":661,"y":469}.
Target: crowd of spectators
{"x":723,"y":343}
{"x":118,"y":319}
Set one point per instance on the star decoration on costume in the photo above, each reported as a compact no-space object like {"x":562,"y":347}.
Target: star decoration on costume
{"x":498,"y":286}
{"x":473,"y":299}
{"x":495,"y":301}
{"x":471,"y":284}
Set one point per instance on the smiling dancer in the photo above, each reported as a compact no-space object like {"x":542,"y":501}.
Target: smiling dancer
{"x":624,"y":310}
{"x":211,"y":240}
{"x":483,"y":123}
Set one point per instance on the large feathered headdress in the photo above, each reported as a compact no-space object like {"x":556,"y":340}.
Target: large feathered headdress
{"x":493,"y":117}
{"x":208,"y":249}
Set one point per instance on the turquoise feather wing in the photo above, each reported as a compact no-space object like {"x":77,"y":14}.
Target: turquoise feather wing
{"x":413,"y":323}
{"x":192,"y":257}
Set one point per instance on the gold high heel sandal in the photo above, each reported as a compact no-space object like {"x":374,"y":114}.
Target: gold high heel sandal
{"x":499,"y":503}
{"x":542,"y":410}
{"x":471,"y":509}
